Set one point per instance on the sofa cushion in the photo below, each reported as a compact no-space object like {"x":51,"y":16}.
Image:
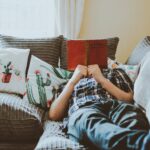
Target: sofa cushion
{"x":47,"y":49}
{"x":112,"y":44}
{"x":43,"y":82}
{"x":12,"y":72}
{"x":19,"y":121}
{"x":139,"y":52}
{"x":142,"y":86}
{"x":54,"y":138}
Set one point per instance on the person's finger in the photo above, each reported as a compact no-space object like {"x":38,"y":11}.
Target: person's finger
{"x":85,"y":74}
{"x":85,"y":69}
{"x":89,"y":70}
{"x":89,"y":73}
{"x":90,"y":66}
{"x":83,"y":66}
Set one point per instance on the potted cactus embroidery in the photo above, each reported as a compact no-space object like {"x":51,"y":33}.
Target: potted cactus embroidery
{"x":41,"y":84}
{"x":7,"y":73}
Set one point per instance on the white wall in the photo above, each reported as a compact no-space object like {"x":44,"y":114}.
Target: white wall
{"x":127,"y":19}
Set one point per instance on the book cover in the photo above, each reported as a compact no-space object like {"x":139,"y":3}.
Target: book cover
{"x":86,"y":52}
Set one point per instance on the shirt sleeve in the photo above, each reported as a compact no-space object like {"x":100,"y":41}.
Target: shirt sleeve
{"x":121,"y":80}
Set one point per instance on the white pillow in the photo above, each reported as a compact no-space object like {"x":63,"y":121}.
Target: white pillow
{"x":142,"y":83}
{"x":13,"y":64}
{"x":43,"y":82}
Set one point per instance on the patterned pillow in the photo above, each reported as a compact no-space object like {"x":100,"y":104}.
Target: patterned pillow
{"x":19,"y":120}
{"x":139,"y":52}
{"x":131,"y":70}
{"x":43,"y":82}
{"x":112,"y":44}
{"x":13,"y":64}
{"x":47,"y":49}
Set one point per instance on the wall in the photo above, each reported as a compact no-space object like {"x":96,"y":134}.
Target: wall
{"x":27,"y":18}
{"x":127,"y":19}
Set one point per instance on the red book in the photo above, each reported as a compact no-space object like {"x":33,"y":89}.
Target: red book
{"x":86,"y":52}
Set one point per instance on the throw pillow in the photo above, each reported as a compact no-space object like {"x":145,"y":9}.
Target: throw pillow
{"x":47,"y":49}
{"x":86,"y":52}
{"x":142,"y":86}
{"x":43,"y":81}
{"x":112,"y":44}
{"x":13,"y":64}
{"x":131,"y":70}
{"x":139,"y":52}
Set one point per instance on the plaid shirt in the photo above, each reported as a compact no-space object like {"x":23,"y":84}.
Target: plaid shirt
{"x":88,"y":91}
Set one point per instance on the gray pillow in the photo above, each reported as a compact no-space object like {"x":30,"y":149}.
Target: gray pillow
{"x":19,"y":120}
{"x":139,"y":52}
{"x":47,"y":49}
{"x":112,"y":47}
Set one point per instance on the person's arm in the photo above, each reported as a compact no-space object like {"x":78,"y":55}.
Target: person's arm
{"x":59,"y":107}
{"x":115,"y":91}
{"x":95,"y":71}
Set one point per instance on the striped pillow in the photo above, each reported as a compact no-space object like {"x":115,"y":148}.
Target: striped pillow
{"x":19,"y":120}
{"x":139,"y":52}
{"x":112,"y":44}
{"x":47,"y":49}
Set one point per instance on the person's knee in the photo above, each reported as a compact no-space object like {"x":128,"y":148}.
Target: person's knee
{"x":75,"y":127}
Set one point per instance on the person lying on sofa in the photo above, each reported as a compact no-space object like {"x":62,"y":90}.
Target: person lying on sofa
{"x":100,"y":110}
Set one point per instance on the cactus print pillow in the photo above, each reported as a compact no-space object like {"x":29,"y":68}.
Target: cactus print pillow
{"x":43,"y":82}
{"x":131,"y":70}
{"x":13,"y":64}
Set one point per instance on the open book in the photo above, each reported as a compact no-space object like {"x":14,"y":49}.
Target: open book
{"x":86,"y":52}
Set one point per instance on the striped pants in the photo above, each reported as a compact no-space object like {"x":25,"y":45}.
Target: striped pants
{"x":113,"y":125}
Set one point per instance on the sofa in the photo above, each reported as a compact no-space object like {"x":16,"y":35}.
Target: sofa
{"x":24,"y":126}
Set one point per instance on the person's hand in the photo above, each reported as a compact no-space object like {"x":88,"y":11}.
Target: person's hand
{"x":80,"y":71}
{"x":95,"y":72}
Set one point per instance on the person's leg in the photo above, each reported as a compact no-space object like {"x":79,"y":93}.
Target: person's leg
{"x":128,"y":116}
{"x":77,"y":125}
{"x":93,"y":126}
